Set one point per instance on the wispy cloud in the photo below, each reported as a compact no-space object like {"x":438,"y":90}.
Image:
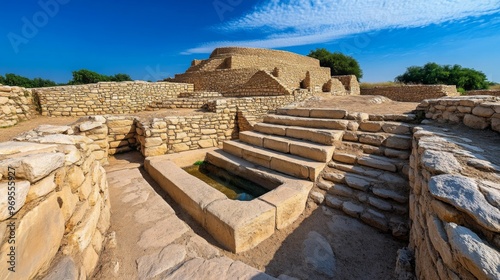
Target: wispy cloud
{"x":302,"y":22}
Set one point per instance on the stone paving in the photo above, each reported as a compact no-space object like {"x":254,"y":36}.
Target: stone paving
{"x":153,"y":242}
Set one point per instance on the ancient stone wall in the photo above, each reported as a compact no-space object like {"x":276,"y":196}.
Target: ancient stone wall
{"x":16,"y":104}
{"x":176,"y":134}
{"x":228,"y":69}
{"x":60,"y":209}
{"x":284,"y":56}
{"x":411,"y":93}
{"x":106,"y":97}
{"x":484,"y":92}
{"x":350,"y":83}
{"x":220,"y":81}
{"x":478,"y":112}
{"x":454,"y":209}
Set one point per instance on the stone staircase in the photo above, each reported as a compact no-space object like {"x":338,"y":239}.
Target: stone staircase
{"x":358,"y":162}
{"x":290,"y":145}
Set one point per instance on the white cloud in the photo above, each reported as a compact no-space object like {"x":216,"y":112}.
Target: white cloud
{"x":302,"y":22}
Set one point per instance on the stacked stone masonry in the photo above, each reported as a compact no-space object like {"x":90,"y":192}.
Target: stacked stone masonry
{"x":478,"y":112}
{"x":484,"y":92}
{"x":368,"y":175}
{"x":61,"y":211}
{"x":16,"y":104}
{"x":454,"y":208}
{"x":106,"y":97}
{"x":411,"y":93}
{"x":247,"y":71}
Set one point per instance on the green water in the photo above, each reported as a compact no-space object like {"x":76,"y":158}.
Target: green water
{"x":234,"y":187}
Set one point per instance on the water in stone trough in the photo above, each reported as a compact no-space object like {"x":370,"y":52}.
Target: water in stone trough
{"x":233,"y":186}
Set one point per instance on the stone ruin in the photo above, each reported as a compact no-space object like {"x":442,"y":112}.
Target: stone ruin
{"x":401,"y":174}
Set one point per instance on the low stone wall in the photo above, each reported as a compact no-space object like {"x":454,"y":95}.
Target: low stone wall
{"x":484,"y":92}
{"x":478,"y":112}
{"x":455,"y":219}
{"x":350,"y":83}
{"x":177,"y":134}
{"x":16,"y":104}
{"x":106,"y":97}
{"x":59,"y":212}
{"x":411,"y":93}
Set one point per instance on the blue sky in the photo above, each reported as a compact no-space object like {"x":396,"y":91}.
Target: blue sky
{"x":153,"y":39}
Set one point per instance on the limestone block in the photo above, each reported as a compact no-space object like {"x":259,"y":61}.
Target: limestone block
{"x":12,"y":147}
{"x":372,"y":139}
{"x":41,"y":188}
{"x":495,"y":124}
{"x":207,"y":143}
{"x":484,"y":112}
{"x":475,"y":122}
{"x":156,"y":151}
{"x":240,"y":225}
{"x":474,"y":254}
{"x":82,"y":234}
{"x":289,"y":201}
{"x":38,"y":238}
{"x":85,"y":189}
{"x":328,"y":113}
{"x":20,"y":191}
{"x":69,"y":202}
{"x":33,"y":167}
{"x":75,"y":177}
{"x":438,"y":162}
{"x":89,"y":125}
{"x":371,"y":126}
{"x":333,"y":202}
{"x":399,"y":142}
{"x":152,"y":142}
{"x":396,"y":128}
{"x":90,"y":259}
{"x":53,"y":129}
{"x":181,"y":147}
{"x":464,"y":194}
{"x":119,"y":123}
{"x":352,"y":209}
{"x":63,"y":269}
{"x":439,"y":239}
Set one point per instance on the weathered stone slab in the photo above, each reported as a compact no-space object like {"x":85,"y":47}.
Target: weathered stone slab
{"x":475,"y":122}
{"x":14,"y":147}
{"x":64,"y":269}
{"x":33,"y":167}
{"x":328,"y":113}
{"x":289,"y":201}
{"x":474,"y":254}
{"x":318,"y":254}
{"x":38,"y":238}
{"x":21,"y":190}
{"x":150,"y":266}
{"x":163,"y":233}
{"x":377,"y":163}
{"x":439,"y":162}
{"x":463,"y":193}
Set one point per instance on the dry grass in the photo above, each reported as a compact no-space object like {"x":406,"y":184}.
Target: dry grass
{"x":495,"y":87}
{"x":381,"y":84}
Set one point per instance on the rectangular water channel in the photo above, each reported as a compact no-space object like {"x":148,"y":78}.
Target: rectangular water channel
{"x":233,"y":186}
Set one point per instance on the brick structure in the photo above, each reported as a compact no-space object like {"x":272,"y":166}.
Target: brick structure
{"x":411,"y":93}
{"x":256,"y":72}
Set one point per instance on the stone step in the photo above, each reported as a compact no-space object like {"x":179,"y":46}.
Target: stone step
{"x":320,"y":136}
{"x":345,"y":183}
{"x":375,"y":150}
{"x":285,"y":163}
{"x":387,"y":127}
{"x":311,"y":122}
{"x":390,"y":177}
{"x":388,"y":140}
{"x":286,"y":145}
{"x":313,"y":113}
{"x":379,"y":162}
{"x":373,"y":216}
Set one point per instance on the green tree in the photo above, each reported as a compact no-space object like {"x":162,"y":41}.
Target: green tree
{"x":433,"y":73}
{"x":121,"y":77}
{"x":338,"y":63}
{"x":85,"y":76}
{"x":11,"y":79}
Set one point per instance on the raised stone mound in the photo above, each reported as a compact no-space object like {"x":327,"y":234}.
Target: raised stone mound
{"x":228,"y":70}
